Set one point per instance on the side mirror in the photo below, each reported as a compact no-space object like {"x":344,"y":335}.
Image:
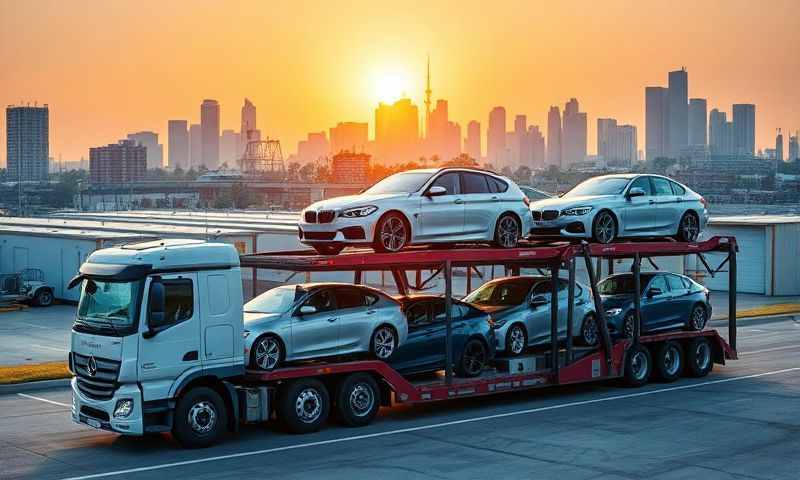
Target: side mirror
{"x":156,"y":308}
{"x":653,"y":292}
{"x":635,"y":192}
{"x":307,"y":310}
{"x":539,"y":300}
{"x":436,"y":191}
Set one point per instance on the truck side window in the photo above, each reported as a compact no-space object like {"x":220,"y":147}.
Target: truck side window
{"x":179,"y":299}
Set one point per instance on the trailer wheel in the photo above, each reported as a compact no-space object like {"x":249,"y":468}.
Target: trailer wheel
{"x":669,"y":361}
{"x":638,"y":365}
{"x":43,"y":297}
{"x":358,"y":399}
{"x":699,"y":358}
{"x":200,"y":418}
{"x":304,"y":405}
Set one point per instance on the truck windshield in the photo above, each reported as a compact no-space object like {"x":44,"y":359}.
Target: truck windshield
{"x":277,"y":300}
{"x":110,"y":303}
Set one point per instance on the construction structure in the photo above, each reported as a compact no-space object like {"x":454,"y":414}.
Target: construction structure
{"x":263,"y":158}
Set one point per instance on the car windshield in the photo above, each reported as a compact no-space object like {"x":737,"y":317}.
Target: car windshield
{"x":409,"y":182}
{"x":599,"y":186}
{"x":621,"y":285}
{"x":109,"y":302}
{"x":505,"y":293}
{"x":277,"y":300}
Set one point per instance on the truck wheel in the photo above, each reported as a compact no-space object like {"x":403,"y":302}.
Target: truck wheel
{"x":304,"y":405}
{"x":638,"y":365}
{"x":357,"y":399}
{"x":669,"y":361}
{"x":699,"y":361}
{"x":200,"y":418}
{"x":43,"y":297}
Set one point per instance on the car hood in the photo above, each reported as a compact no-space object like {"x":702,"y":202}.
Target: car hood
{"x":561,"y":203}
{"x":616,"y":301}
{"x":350,"y":201}
{"x":254,"y":319}
{"x":496,"y":309}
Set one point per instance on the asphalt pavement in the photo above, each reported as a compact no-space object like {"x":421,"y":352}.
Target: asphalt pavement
{"x":742,"y":421}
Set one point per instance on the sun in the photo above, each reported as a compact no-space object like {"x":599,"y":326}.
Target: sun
{"x":390,"y":85}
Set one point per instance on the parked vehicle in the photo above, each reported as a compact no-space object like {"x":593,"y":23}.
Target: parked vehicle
{"x":27,"y":286}
{"x":425,"y":206}
{"x":520,"y":309}
{"x":424,"y":351}
{"x":669,"y":302}
{"x":534,"y":194}
{"x":609,"y":207}
{"x":298,"y":322}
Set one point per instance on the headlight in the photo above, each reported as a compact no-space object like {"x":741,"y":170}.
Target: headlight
{"x":359,"y":211}
{"x":613,"y":312}
{"x":124,"y":408}
{"x":576,"y":211}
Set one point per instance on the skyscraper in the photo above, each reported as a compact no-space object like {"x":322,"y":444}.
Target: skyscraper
{"x":472,"y":144}
{"x":496,"y":138}
{"x":573,"y":135}
{"x":520,"y":147}
{"x":554,"y":137}
{"x":397,"y":131}
{"x":178,"y":147}
{"x":678,"y":112}
{"x":27,"y":142}
{"x":605,"y":127}
{"x":779,"y":146}
{"x":313,"y":148}
{"x":794,"y":149}
{"x":443,"y":136}
{"x":537,"y":147}
{"x":155,"y":151}
{"x":744,"y":129}
{"x":229,"y":142}
{"x":616,"y":144}
{"x":698,"y":127}
{"x":209,"y":125}
{"x":249,"y":131}
{"x":195,"y":146}
{"x":118,"y":163}
{"x":349,"y":136}
{"x":656,"y":122}
{"x":428,"y":92}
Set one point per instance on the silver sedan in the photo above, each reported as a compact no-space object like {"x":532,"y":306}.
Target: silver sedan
{"x":613,"y":206}
{"x":300,"y":322}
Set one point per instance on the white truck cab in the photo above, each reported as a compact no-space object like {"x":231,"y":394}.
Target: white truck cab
{"x":157,"y":336}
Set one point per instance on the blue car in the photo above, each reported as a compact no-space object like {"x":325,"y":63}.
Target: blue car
{"x":424,"y":349}
{"x":669,"y":302}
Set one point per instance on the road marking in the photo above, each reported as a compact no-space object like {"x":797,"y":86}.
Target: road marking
{"x":46,"y":347}
{"x":424,"y":427}
{"x":775,"y":349}
{"x":44,"y":400}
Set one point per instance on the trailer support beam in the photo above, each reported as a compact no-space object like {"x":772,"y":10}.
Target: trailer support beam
{"x":732,"y":292}
{"x":637,"y":298}
{"x":554,"y":318}
{"x":598,"y":307}
{"x":448,"y":315}
{"x":570,"y":309}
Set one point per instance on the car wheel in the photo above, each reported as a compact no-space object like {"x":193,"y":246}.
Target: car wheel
{"x":638,"y":365}
{"x":473,"y":359}
{"x":43,"y":298}
{"x":200,"y":418}
{"x":699,"y":361}
{"x":669,"y":361}
{"x":328,"y":249}
{"x":304,"y":405}
{"x":507,"y":232}
{"x":604,"y":227}
{"x":358,"y":399}
{"x":392,"y":233}
{"x":516,"y":340}
{"x":384,"y":343}
{"x":590,"y":332}
{"x":688,"y":228}
{"x":267,"y":353}
{"x":628,"y":325}
{"x":698,"y":318}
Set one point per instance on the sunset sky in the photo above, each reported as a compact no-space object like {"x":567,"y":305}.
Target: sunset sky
{"x":110,"y":68}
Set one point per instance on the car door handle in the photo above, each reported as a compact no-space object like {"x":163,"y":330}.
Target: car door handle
{"x":333,"y":319}
{"x":370,"y":312}
{"x":495,"y":199}
{"x":458,"y":201}
{"x":652,"y":202}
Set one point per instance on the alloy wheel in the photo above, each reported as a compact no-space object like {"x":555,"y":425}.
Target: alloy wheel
{"x":517,"y":343}
{"x":268,"y":353}
{"x":384,"y":343}
{"x":393,"y":234}
{"x":604,"y":227}
{"x":628,"y":325}
{"x":202,"y":417}
{"x":690,"y":228}
{"x":698,"y":318}
{"x":474,"y":358}
{"x":508,"y":232}
{"x":590,"y":331}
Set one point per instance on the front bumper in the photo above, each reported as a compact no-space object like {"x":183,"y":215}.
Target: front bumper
{"x":100,"y":413}
{"x":350,"y":231}
{"x":573,"y":226}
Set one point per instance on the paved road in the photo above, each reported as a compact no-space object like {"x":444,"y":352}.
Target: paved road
{"x":742,"y":421}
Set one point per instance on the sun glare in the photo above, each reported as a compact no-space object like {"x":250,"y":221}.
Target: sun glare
{"x":390,"y":85}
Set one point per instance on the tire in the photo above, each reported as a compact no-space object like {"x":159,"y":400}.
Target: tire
{"x":383,"y":343}
{"x":473,"y":359}
{"x":699,"y":357}
{"x":200,"y":418}
{"x":267,"y":353}
{"x":358,"y":399}
{"x":604,"y":227}
{"x":516,"y":340}
{"x":628,"y":325}
{"x":43,"y":297}
{"x":328,"y":249}
{"x":668,"y":361}
{"x":304,"y":405}
{"x":590,"y":331}
{"x":392,"y":233}
{"x":697,"y":318}
{"x":507,"y":232}
{"x":638,"y":366}
{"x":688,"y":228}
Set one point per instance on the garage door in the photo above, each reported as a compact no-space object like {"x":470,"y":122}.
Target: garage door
{"x":751,"y":260}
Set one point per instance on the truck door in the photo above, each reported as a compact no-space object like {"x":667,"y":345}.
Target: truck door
{"x":176,"y":348}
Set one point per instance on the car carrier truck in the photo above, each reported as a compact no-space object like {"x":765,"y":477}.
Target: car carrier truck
{"x":157,"y":343}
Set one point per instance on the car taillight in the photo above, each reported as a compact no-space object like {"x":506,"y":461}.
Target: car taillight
{"x":704,"y":202}
{"x":527,"y":201}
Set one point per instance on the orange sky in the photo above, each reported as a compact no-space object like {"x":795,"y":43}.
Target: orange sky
{"x":109,"y":68}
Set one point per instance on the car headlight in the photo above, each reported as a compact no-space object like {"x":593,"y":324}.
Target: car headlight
{"x":359,"y":211}
{"x":576,"y":211}
{"x":124,"y":408}
{"x":613,"y":312}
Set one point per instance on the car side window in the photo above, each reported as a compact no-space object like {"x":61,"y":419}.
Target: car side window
{"x":370,"y":299}
{"x":662,"y":186}
{"x":323,"y":301}
{"x":687,"y":283}
{"x":349,"y":298}
{"x":677,"y":189}
{"x":644,"y":184}
{"x":450,"y":181}
{"x":496,"y":185}
{"x":474,"y":183}
{"x":417,"y":315}
{"x":178,"y":300}
{"x":658,"y":282}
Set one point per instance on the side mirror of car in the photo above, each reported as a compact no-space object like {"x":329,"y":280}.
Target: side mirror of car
{"x":156,"y":308}
{"x":539,"y":300}
{"x":436,"y":191}
{"x":308,"y":310}
{"x":635,"y":192}
{"x":654,"y":292}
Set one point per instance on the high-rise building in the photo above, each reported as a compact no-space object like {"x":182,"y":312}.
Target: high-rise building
{"x":656,"y":122}
{"x":537,"y":147}
{"x":27,"y":142}
{"x":779,"y":146}
{"x":229,"y":143}
{"x":573,"y":135}
{"x":554,"y":137}
{"x":520,"y":146}
{"x":678,"y":112}
{"x":118,"y":163}
{"x":472,"y":144}
{"x":195,"y":146}
{"x":349,"y":136}
{"x":249,"y":131}
{"x":744,"y":129}
{"x":313,"y":148}
{"x":178,"y":147}
{"x":616,"y":144}
{"x":716,"y":132}
{"x":397,"y":131}
{"x":443,"y":136}
{"x":605,"y":126}
{"x":155,"y":151}
{"x":209,"y":125}
{"x":794,"y":149}
{"x":496,"y":138}
{"x":698,"y":122}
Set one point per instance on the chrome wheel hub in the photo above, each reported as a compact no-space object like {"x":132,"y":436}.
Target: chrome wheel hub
{"x":202,"y":417}
{"x":604,"y":228}
{"x":268,"y":352}
{"x":702,"y":355}
{"x":508,"y":232}
{"x":393,"y":234}
{"x":672,"y":361}
{"x":639,"y":365}
{"x":308,"y":406}
{"x":384,"y":343}
{"x":517,"y":340}
{"x":362,"y":400}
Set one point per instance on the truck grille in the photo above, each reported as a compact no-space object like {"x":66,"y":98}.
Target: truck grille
{"x":311,"y":216}
{"x":326,"y":216}
{"x":102,"y":384}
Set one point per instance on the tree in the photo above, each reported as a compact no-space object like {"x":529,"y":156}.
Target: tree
{"x":522,"y":174}
{"x":463,"y":160}
{"x":293,"y":172}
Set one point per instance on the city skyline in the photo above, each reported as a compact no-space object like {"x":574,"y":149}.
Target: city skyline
{"x":308,"y":96}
